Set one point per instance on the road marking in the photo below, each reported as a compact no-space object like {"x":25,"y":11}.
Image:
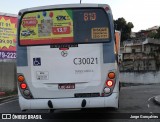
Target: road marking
{"x":8,"y":102}
{"x":151,"y":98}
{"x":148,"y":105}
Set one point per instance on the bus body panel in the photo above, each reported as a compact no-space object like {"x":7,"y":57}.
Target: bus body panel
{"x":81,"y":66}
{"x":91,"y":81}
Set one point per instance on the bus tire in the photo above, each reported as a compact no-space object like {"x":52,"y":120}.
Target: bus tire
{"x":51,"y":110}
{"x":24,"y":110}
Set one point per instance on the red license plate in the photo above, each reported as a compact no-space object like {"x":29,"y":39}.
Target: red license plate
{"x":66,"y":86}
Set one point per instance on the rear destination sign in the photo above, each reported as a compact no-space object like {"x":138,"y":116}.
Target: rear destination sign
{"x":100,"y":33}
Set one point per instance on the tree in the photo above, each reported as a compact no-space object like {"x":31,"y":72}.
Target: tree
{"x":152,"y":34}
{"x":157,"y":36}
{"x":120,"y":23}
{"x":125,"y":28}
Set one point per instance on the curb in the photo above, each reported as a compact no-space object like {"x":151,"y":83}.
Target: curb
{"x":157,"y":100}
{"x":8,"y":98}
{"x":123,"y":84}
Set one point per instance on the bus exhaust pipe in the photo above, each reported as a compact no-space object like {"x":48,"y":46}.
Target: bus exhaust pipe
{"x":50,"y":105}
{"x":83,"y":103}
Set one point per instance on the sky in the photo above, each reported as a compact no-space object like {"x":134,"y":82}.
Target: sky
{"x":142,"y":13}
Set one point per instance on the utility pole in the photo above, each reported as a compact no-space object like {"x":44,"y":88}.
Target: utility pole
{"x":80,"y":1}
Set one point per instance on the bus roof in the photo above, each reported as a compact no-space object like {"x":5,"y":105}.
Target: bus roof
{"x":63,"y":6}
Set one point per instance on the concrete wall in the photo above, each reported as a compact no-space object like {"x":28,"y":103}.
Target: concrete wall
{"x":7,"y":76}
{"x":139,"y":77}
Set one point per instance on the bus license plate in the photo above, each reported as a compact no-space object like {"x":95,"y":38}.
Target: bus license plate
{"x":66,"y":86}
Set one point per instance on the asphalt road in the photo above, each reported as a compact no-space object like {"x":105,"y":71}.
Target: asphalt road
{"x":133,"y":100}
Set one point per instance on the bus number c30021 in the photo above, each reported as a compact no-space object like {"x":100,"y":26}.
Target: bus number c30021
{"x":83,"y":61}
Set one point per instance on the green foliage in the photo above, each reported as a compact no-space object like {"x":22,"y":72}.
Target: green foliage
{"x":157,"y":36}
{"x":152,"y":34}
{"x":125,"y":28}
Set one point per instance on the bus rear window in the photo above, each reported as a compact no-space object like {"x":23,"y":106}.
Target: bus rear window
{"x":89,"y":25}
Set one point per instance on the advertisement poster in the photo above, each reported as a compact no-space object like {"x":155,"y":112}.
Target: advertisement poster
{"x":47,"y":27}
{"x":8,"y":30}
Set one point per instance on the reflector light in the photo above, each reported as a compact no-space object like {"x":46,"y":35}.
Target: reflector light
{"x":107,"y":90}
{"x":102,"y":94}
{"x":20,"y":78}
{"x":107,"y":8}
{"x":109,"y":83}
{"x":23,"y":85}
{"x":63,"y":48}
{"x":26,"y":92}
{"x":111,"y":75}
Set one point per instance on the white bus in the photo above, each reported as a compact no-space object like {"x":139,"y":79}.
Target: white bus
{"x":67,"y":58}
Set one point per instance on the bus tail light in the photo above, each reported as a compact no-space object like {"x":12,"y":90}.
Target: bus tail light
{"x":107,"y":90}
{"x":107,"y":8}
{"x":111,"y":75}
{"x":26,"y":92}
{"x":20,"y":78}
{"x":109,"y":83}
{"x":23,"y":85}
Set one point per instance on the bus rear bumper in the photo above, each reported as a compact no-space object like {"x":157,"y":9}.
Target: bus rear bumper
{"x":69,"y":103}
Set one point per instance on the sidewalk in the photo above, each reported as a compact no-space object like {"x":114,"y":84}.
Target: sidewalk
{"x":8,"y":98}
{"x":157,"y":99}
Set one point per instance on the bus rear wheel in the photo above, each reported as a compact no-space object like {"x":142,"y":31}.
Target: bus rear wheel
{"x":51,"y":110}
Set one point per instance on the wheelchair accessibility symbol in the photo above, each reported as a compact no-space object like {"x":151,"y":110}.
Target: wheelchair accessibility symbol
{"x":36,"y":61}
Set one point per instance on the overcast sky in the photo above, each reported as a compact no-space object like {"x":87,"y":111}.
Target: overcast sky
{"x":142,"y":13}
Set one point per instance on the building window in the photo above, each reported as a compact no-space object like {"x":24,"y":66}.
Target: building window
{"x":133,"y":50}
